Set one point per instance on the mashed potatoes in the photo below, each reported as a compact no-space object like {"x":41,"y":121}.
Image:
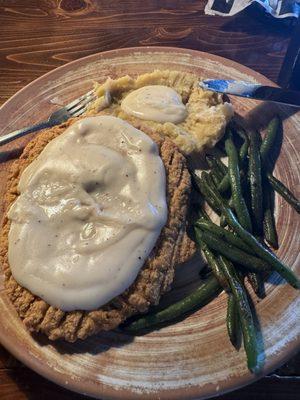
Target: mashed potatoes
{"x":206,"y":116}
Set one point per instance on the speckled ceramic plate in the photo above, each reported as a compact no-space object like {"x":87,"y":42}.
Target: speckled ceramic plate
{"x":192,"y":358}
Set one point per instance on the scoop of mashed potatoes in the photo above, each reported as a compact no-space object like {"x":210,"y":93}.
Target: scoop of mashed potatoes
{"x":206,"y":117}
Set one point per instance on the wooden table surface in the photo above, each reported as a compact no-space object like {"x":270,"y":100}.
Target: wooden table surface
{"x":37,"y":36}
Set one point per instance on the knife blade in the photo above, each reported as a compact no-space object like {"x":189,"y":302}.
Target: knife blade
{"x":252,"y":91}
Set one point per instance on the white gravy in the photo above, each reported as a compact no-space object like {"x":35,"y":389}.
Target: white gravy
{"x":90,"y":210}
{"x":155,"y":103}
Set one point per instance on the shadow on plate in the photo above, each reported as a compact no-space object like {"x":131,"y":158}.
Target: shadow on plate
{"x":33,"y":386}
{"x":260,"y":116}
{"x":93,"y":345}
{"x":9,"y":155}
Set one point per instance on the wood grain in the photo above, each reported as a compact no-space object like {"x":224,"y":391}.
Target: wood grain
{"x":39,"y":35}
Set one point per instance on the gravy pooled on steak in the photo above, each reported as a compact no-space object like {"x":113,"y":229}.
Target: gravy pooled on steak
{"x":90,"y":210}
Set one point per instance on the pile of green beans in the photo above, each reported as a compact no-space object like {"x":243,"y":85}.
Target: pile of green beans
{"x":240,"y":252}
{"x":242,"y":196}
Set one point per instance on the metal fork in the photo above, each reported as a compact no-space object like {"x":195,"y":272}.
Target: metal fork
{"x":74,"y":109}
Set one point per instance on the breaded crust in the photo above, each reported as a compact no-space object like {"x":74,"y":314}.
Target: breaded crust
{"x":154,"y":279}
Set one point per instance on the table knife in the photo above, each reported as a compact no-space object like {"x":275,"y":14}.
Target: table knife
{"x":252,"y":91}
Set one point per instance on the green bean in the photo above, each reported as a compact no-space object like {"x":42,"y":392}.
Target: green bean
{"x":199,"y":183}
{"x":266,"y":147}
{"x":256,"y":283}
{"x":245,"y":146}
{"x":215,"y":166}
{"x":198,"y":298}
{"x":233,"y":253}
{"x":225,"y":183}
{"x":202,"y":214}
{"x":223,"y":222}
{"x":269,"y":226}
{"x":232,"y":320}
{"x":252,"y":278}
{"x":245,"y":314}
{"x":215,"y":177}
{"x":235,"y":183}
{"x":264,"y":253}
{"x":230,"y":203}
{"x":214,"y":264}
{"x":224,"y":235}
{"x":270,"y":138}
{"x":284,"y":192}
{"x":207,"y":178}
{"x":255,"y":178}
{"x":221,"y":166}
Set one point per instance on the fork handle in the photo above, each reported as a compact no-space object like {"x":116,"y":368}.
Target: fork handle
{"x":24,"y":131}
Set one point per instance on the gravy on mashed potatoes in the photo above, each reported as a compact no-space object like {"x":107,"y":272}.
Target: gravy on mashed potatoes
{"x":155,"y":103}
{"x":171,"y":102}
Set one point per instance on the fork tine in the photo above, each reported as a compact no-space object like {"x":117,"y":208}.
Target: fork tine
{"x":79,"y":112}
{"x":83,"y":103}
{"x":78,"y":100}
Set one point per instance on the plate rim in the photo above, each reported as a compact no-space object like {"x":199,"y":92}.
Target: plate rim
{"x":277,"y":360}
